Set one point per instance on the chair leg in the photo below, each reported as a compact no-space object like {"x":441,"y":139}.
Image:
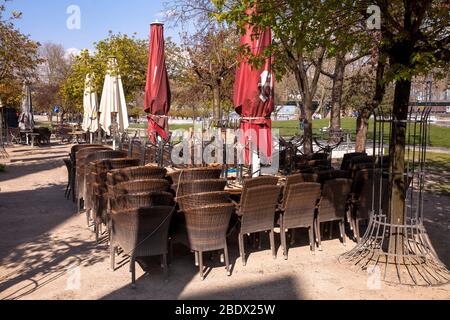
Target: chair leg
{"x":293,"y":232}
{"x":342,"y":228}
{"x":284,"y":242}
{"x":170,"y":252}
{"x":200,"y":265}
{"x":97,"y":231}
{"x":196,"y":258}
{"x":227,"y":260}
{"x":272,"y":243}
{"x":165,"y":267}
{"x":312,"y":242}
{"x":242,"y":249}
{"x":331,"y":229}
{"x":318,"y":234}
{"x":133,"y":272}
{"x":357,"y":232}
{"x":113,"y":257}
{"x":259,"y":237}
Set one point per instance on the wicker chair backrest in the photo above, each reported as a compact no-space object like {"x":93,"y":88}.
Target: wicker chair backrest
{"x":258,"y":208}
{"x":141,"y":200}
{"x":300,"y":204}
{"x":199,"y":200}
{"x":258,"y":182}
{"x":195,"y":174}
{"x":80,"y":157}
{"x":207,"y":227}
{"x":334,"y":199}
{"x":135,"y":173}
{"x":198,"y":186}
{"x":142,"y":232}
{"x":140,"y":186}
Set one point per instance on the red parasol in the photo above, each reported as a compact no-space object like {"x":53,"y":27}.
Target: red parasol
{"x":157,"y":89}
{"x":254,"y":94}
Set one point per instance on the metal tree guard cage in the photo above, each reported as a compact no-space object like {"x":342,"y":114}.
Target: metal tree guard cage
{"x":401,"y":253}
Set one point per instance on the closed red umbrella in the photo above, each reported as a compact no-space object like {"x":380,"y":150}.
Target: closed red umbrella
{"x":157,"y":89}
{"x":254,"y":94}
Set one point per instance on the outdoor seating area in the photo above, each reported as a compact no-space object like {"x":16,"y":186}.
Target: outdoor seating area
{"x":144,"y":211}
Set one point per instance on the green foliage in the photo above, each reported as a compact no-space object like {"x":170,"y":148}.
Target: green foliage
{"x":18,"y":58}
{"x":132,"y":57}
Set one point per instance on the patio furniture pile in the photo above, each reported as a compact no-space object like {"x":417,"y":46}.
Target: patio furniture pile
{"x":143,"y":211}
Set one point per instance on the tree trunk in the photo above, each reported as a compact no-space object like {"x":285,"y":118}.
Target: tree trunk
{"x":216,"y":104}
{"x":397,"y":186}
{"x":336,"y":98}
{"x":308,"y":132}
{"x":362,"y":130}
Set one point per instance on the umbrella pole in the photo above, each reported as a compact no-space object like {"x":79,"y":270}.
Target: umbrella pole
{"x":256,"y":164}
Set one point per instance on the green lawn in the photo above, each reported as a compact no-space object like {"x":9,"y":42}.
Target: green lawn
{"x":438,"y":173}
{"x":439,"y":136}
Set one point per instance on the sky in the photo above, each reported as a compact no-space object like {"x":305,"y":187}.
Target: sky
{"x":58,"y":21}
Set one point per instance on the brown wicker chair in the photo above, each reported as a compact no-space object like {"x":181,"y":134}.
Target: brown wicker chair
{"x":97,"y":190}
{"x":203,"y":200}
{"x":365,"y":189}
{"x":257,"y":211}
{"x":206,"y":229}
{"x":86,"y":181}
{"x":346,"y":162}
{"x":296,"y":179}
{"x":135,"y":173}
{"x":326,"y":175}
{"x":140,"y":233}
{"x":195,"y":174}
{"x":333,"y":206}
{"x":69,"y":167}
{"x":142,"y":200}
{"x":80,"y":167}
{"x":140,"y":186}
{"x":198,"y":186}
{"x":258,"y":182}
{"x":298,"y":211}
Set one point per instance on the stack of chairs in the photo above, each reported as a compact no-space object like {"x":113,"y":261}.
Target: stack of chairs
{"x":140,"y":210}
{"x":97,"y":189}
{"x":86,"y":191}
{"x":80,"y":160}
{"x":205,"y":212}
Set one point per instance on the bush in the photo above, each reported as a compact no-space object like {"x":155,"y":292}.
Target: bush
{"x":2,"y":167}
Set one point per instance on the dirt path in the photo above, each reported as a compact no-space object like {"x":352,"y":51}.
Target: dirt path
{"x":47,"y":252}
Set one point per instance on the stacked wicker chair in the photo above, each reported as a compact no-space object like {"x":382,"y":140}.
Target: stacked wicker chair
{"x":257,"y":210}
{"x":141,"y":212}
{"x":98,"y":189}
{"x":71,"y":165}
{"x":141,"y":232}
{"x":80,"y":171}
{"x":205,"y":212}
{"x":366,"y":197}
{"x":207,"y":231}
{"x":333,"y":206}
{"x":347,"y":161}
{"x":85,"y":192}
{"x":298,"y":210}
{"x":327,"y":175}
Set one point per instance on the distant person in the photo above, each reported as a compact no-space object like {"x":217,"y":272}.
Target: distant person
{"x":302,"y":124}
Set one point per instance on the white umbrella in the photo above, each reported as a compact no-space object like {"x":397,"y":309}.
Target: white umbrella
{"x":113,"y":100}
{"x":90,"y":106}
{"x":26,"y":120}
